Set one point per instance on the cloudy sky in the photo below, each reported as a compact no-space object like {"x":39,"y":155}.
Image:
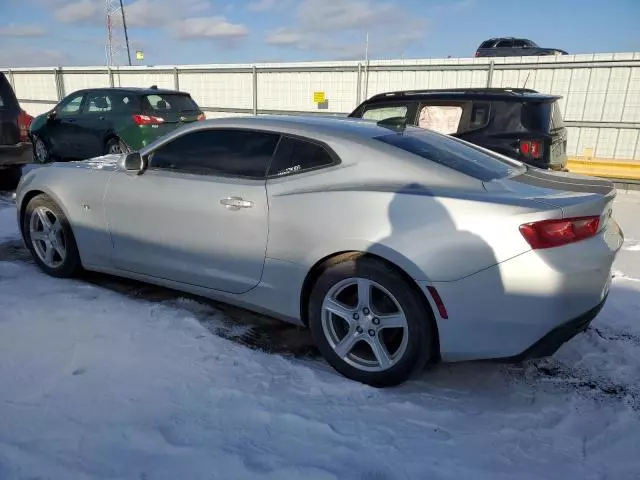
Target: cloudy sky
{"x":73,"y":32}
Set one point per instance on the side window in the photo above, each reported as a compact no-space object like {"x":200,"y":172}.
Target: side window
{"x":519,"y":43}
{"x":479,"y":118}
{"x":382,"y":112}
{"x":238,"y":153}
{"x":505,"y":44}
{"x":440,"y":118}
{"x":71,"y":105}
{"x":98,"y":102}
{"x":487,"y":44}
{"x":295,"y":155}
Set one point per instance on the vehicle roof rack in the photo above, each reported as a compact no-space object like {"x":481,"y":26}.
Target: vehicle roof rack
{"x":476,"y":91}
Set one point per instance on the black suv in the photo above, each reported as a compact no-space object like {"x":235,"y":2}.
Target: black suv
{"x":519,"y":123}
{"x":514,"y":47}
{"x":15,"y":145}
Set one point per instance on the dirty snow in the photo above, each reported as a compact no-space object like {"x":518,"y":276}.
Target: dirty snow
{"x":98,"y":384}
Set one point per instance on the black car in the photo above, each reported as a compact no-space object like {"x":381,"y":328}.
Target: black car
{"x":519,"y":123}
{"x":15,"y":146}
{"x":514,"y":47}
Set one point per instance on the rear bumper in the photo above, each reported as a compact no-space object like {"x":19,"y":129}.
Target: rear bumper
{"x":18,"y":154}
{"x":552,"y":341}
{"x":502,"y":311}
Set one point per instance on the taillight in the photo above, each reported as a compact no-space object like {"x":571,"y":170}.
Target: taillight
{"x":531,"y":148}
{"x":146,"y":119}
{"x":554,"y":233}
{"x":24,"y":122}
{"x":201,"y":117}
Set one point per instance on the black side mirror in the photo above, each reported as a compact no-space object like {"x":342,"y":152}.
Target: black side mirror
{"x":52,"y":114}
{"x":134,"y":163}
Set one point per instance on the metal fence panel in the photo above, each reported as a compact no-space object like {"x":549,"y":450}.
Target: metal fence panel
{"x":601,"y":92}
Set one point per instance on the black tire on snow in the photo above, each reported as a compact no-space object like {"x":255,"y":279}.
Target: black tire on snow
{"x":421,"y":326}
{"x":72,"y":264}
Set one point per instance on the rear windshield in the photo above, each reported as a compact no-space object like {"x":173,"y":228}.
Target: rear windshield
{"x":451,"y":153}
{"x":542,"y":116}
{"x":169,"y":102}
{"x":487,"y":44}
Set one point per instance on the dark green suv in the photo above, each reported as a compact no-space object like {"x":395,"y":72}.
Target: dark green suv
{"x":94,"y":122}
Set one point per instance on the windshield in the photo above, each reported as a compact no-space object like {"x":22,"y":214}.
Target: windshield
{"x":453,"y":153}
{"x":168,"y":102}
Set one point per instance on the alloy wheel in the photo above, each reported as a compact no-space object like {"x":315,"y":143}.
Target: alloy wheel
{"x":42,"y":153}
{"x":364,"y":324}
{"x":47,"y":237}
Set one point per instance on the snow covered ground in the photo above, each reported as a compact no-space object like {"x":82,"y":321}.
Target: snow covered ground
{"x":102,"y":379}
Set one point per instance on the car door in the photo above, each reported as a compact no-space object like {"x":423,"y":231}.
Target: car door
{"x":94,"y":123}
{"x":199,"y":214}
{"x":62,"y":129}
{"x":504,"y":48}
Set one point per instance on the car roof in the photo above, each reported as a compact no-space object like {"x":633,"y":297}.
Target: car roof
{"x":505,"y":94}
{"x":136,"y":90}
{"x":308,"y":126}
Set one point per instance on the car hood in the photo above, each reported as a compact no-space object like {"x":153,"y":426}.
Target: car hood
{"x":104,"y":162}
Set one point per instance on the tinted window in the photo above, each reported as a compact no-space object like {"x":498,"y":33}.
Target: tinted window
{"x":98,"y":102}
{"x":169,"y":102}
{"x":451,"y":153}
{"x":519,"y":43}
{"x":296,"y":155}
{"x":71,"y":105}
{"x":381,"y":112}
{"x":541,"y":116}
{"x":238,"y":153}
{"x":479,"y":115}
{"x":505,"y":44}
{"x":487,"y":44}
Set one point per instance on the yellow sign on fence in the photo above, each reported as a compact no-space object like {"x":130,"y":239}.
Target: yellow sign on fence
{"x":139,"y":55}
{"x":319,"y":97}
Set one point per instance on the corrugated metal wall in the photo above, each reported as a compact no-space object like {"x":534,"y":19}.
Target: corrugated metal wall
{"x":601,"y":103}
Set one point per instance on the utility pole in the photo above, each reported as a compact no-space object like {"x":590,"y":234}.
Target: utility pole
{"x":126,"y":35}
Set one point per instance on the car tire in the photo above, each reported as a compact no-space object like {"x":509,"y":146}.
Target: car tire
{"x":115,"y":146}
{"x":41,"y":151}
{"x":407,"y":345}
{"x":45,"y":228}
{"x":10,"y":177}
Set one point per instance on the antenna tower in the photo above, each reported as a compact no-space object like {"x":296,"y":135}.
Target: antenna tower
{"x":117,"y":44}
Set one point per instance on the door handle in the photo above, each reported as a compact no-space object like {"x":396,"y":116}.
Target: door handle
{"x":236,"y":203}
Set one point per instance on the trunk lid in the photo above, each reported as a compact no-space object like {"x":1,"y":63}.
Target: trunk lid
{"x":575,"y":195}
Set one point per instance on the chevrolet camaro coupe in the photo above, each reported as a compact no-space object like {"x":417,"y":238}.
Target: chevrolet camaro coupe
{"x":396,"y":246}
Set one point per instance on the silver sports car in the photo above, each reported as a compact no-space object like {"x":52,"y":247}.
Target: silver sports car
{"x":395,"y":245}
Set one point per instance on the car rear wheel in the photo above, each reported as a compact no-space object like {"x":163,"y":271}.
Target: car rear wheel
{"x":115,"y":146}
{"x":370,"y":323}
{"x":41,"y":152}
{"x":48,"y":236}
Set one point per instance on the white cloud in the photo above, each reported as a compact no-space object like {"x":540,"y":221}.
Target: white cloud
{"x":26,"y":30}
{"x":285,"y":37}
{"x":208,"y":27}
{"x":79,"y":12}
{"x":337,"y":28}
{"x":32,"y":57}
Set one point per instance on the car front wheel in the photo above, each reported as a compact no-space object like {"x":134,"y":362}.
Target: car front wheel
{"x":370,"y":323}
{"x":48,"y":236}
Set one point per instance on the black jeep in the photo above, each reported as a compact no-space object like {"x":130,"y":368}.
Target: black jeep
{"x":519,"y":123}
